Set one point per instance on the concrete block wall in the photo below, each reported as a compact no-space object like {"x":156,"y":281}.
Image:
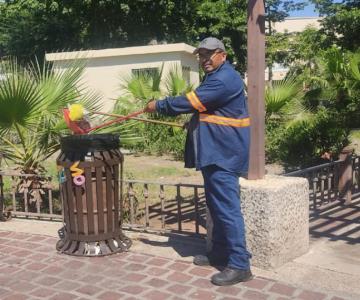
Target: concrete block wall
{"x":276,"y":214}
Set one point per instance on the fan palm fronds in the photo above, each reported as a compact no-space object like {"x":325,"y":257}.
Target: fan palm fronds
{"x":142,"y":87}
{"x":280,"y":94}
{"x":354,"y":63}
{"x":31,"y":100}
{"x":20,"y":98}
{"x":175,"y":83}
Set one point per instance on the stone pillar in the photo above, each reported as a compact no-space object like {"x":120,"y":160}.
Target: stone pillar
{"x":276,"y":213}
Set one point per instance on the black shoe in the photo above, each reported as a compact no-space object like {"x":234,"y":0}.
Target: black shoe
{"x":231,"y":276}
{"x":204,"y":260}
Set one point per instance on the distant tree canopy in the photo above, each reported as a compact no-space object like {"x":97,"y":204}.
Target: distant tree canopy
{"x":340,"y":27}
{"x":34,"y":27}
{"x":341,"y":24}
{"x":277,"y":11}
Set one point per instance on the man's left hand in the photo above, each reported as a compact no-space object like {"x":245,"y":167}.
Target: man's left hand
{"x":150,"y":107}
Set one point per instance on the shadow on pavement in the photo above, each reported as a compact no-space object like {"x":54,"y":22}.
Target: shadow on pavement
{"x":182,"y":245}
{"x":338,"y":222}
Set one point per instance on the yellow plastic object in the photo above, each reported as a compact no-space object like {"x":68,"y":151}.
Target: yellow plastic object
{"x":76,"y":112}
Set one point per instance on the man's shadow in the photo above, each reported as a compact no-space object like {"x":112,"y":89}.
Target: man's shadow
{"x":184,"y":246}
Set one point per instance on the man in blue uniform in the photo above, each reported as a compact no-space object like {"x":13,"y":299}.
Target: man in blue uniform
{"x":218,"y":145}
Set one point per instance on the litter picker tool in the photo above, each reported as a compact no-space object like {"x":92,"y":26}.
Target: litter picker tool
{"x":78,"y":125}
{"x":82,"y":126}
{"x":139,"y":119}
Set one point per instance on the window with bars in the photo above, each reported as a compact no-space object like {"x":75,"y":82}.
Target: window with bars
{"x":145,"y":71}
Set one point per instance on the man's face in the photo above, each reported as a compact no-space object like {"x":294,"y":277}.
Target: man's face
{"x":211,"y":59}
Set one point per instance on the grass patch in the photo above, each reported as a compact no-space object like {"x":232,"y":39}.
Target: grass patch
{"x":157,"y":168}
{"x":355,"y":134}
{"x":156,"y":173}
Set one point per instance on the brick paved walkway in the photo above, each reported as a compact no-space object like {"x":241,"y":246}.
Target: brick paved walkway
{"x":30,"y":268}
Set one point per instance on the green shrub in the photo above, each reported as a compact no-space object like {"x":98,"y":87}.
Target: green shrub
{"x":273,"y":134}
{"x":302,"y":143}
{"x":160,"y":139}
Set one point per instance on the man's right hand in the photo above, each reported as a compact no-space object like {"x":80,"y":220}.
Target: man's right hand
{"x":150,"y":107}
{"x":186,"y":125}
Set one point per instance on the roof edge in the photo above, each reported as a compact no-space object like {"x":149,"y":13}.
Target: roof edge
{"x":113,"y":52}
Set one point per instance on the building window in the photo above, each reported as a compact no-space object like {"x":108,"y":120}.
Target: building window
{"x":145,"y":71}
{"x":186,"y":73}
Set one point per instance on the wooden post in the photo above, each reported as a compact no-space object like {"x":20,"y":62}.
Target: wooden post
{"x":345,"y":176}
{"x":256,"y":86}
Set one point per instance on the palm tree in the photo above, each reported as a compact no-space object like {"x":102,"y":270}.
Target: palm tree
{"x":141,"y":87}
{"x":354,"y":68}
{"x":31,"y":99}
{"x":138,"y":89}
{"x":31,"y":120}
{"x":319,"y":121}
{"x":335,"y":82}
{"x":175,"y":83}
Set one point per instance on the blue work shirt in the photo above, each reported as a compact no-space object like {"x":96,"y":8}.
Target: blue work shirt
{"x":219,"y":131}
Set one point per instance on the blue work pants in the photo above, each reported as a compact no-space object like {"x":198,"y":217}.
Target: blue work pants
{"x":222,"y":192}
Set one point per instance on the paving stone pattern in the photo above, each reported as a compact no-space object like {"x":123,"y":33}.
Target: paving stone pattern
{"x":30,"y":268}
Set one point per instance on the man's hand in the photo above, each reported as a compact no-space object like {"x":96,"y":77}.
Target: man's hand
{"x":186,"y":125}
{"x":150,"y":107}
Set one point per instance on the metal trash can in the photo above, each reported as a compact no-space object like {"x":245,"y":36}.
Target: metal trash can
{"x":90,"y":175}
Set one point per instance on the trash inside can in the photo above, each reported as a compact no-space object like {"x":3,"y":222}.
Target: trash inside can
{"x":90,"y":176}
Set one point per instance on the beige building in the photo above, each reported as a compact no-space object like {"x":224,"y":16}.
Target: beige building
{"x":296,"y":24}
{"x":105,"y":69}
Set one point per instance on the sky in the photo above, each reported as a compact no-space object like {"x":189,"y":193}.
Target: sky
{"x":308,"y":11}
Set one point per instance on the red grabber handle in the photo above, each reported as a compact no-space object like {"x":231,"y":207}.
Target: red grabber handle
{"x":117,"y":120}
{"x":70,"y":124}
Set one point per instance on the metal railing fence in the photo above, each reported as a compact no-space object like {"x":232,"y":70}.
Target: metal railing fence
{"x":161,"y":207}
{"x":29,"y":199}
{"x":147,"y":205}
{"x":326,"y":181}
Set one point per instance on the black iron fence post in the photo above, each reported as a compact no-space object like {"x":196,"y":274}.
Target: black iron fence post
{"x":1,"y":190}
{"x":2,"y":218}
{"x":345,"y":179}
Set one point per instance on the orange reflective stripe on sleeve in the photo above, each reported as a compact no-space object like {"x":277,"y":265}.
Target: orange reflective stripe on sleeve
{"x":245,"y":122}
{"x":195,"y":102}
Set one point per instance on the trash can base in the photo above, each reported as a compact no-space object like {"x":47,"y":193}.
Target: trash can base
{"x":114,"y":245}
